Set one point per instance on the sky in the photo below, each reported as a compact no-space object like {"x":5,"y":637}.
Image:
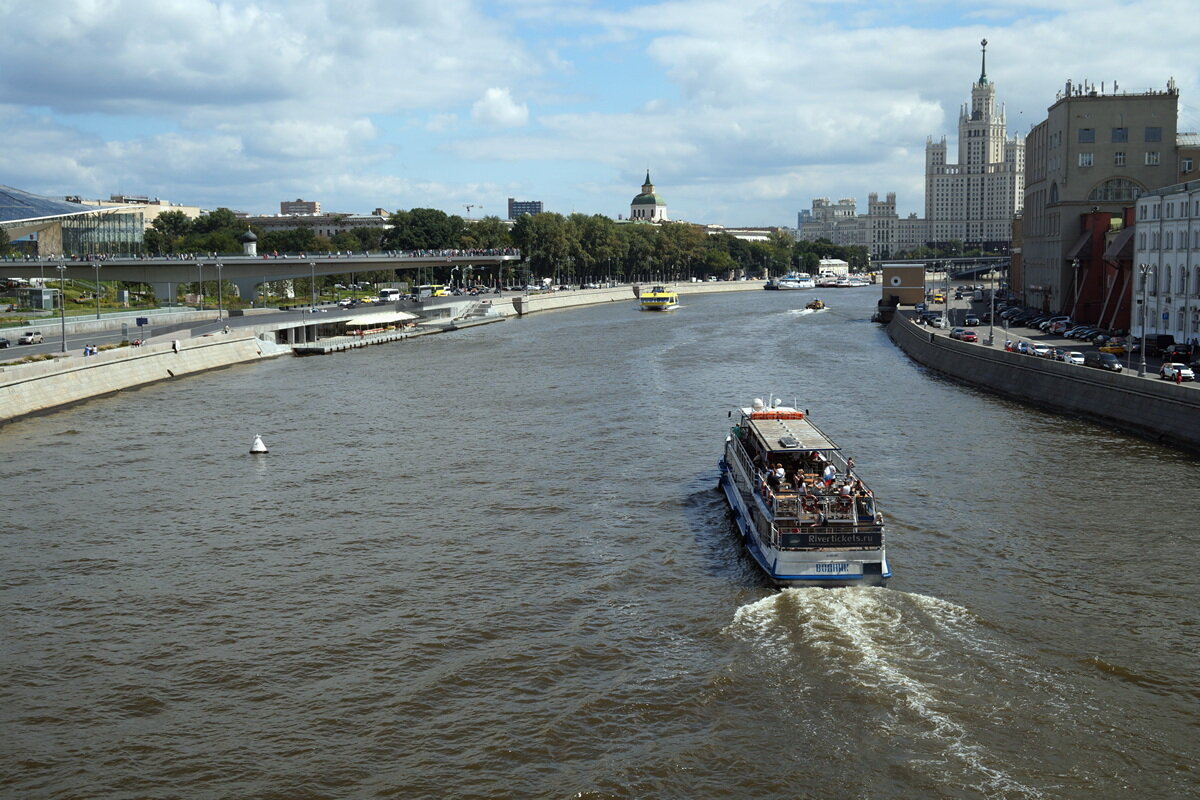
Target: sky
{"x":742,"y":112}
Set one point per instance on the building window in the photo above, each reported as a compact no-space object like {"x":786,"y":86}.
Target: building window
{"x":1120,"y":135}
{"x":1087,"y":135}
{"x":1152,"y":158}
{"x":1154,"y":134}
{"x":1186,"y":165}
{"x":1118,"y":159}
{"x":1085,"y":159}
{"x":1115,"y":189}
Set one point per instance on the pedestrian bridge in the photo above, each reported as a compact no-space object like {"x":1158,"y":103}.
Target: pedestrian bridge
{"x":246,"y":272}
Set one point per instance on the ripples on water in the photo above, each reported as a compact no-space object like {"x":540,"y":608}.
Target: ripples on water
{"x":492,"y":564}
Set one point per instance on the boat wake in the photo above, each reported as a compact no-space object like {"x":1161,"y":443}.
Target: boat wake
{"x":919,"y":658}
{"x":807,"y":311}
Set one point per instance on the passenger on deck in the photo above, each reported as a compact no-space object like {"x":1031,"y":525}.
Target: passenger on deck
{"x":829,"y":475}
{"x":780,"y":475}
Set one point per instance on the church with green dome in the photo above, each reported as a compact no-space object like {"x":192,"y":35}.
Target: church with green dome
{"x":648,"y":206}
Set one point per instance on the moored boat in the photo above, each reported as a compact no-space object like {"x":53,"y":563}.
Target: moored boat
{"x":660,"y":298}
{"x":802,"y":513}
{"x":792,"y":280}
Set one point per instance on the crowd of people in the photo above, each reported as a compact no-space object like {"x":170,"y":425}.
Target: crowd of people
{"x":813,"y":479}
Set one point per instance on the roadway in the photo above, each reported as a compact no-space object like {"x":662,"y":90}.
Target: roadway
{"x":957,"y":311}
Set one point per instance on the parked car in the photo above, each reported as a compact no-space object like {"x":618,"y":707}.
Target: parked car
{"x":1059,"y":327}
{"x":1102,"y":361}
{"x":30,"y":337}
{"x":1073,"y":357}
{"x":971,"y":319}
{"x":969,"y":336}
{"x":1041,"y":350}
{"x":1113,"y":347}
{"x":920,"y":308}
{"x":1167,"y":371}
{"x":956,"y":333}
{"x":3,"y":342}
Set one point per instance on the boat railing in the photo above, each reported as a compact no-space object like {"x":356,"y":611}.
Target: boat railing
{"x":833,"y":508}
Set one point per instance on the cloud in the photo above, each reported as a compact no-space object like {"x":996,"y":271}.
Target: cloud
{"x":744,"y":112}
{"x":497,"y":109}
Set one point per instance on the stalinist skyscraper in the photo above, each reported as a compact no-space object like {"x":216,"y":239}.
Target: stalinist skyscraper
{"x":974,"y":200}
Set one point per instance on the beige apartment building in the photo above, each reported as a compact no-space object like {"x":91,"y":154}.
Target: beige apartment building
{"x":1095,"y":152}
{"x":974,"y":199}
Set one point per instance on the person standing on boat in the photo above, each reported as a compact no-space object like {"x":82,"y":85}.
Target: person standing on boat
{"x":829,"y":475}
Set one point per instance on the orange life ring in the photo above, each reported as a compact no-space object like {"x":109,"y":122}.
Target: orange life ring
{"x":808,"y":503}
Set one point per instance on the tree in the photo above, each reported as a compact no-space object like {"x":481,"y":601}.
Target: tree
{"x":677,"y":246}
{"x":369,"y":238}
{"x":4,"y":242}
{"x":172,"y":223}
{"x":221,"y":219}
{"x":639,"y":250}
{"x":596,"y":247}
{"x":424,"y":229}
{"x":543,"y":241}
{"x":489,"y":233}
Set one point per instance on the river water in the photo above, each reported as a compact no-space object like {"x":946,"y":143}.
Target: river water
{"x":493,"y":564}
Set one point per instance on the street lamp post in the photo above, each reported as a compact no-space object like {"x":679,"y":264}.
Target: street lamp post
{"x":199,"y":286}
{"x":62,"y":302}
{"x":1146,"y":271}
{"x":96,"y":265}
{"x":220,"y":311}
{"x":312,"y":284}
{"x":1075,"y":302}
{"x":946,"y":297}
{"x":992,"y":310}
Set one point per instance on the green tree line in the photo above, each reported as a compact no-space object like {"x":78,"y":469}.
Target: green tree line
{"x":567,"y":249}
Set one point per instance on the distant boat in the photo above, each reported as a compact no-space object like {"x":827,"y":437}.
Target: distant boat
{"x":660,"y":298}
{"x":795,"y":280}
{"x":815,"y":304}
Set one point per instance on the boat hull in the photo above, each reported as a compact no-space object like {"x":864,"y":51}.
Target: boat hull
{"x":806,"y":567}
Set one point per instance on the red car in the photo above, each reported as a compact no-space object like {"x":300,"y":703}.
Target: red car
{"x":969,"y":336}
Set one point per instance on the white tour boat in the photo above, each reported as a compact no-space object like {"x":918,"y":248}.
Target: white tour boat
{"x":818,"y":523}
{"x":794,"y":280}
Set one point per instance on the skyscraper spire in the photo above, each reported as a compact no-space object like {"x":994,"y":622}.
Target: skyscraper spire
{"x":983,"y":62}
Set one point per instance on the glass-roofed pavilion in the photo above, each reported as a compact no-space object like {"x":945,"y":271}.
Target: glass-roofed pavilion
{"x":65,"y":229}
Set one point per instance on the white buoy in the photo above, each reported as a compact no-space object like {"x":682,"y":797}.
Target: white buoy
{"x":258,"y":446}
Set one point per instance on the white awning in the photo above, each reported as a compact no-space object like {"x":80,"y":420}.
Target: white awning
{"x":376,"y":319}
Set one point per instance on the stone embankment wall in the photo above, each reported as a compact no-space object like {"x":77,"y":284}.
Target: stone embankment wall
{"x":42,"y":385}
{"x":1156,"y":410}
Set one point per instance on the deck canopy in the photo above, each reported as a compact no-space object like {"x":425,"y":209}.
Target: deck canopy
{"x":376,"y":318}
{"x":790,"y":435}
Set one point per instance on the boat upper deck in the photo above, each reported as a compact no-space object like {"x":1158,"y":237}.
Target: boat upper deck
{"x":785,"y":431}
